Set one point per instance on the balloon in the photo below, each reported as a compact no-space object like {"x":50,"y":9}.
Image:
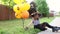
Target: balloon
{"x":26,"y":6}
{"x":17,"y":15}
{"x":21,"y":6}
{"x":19,"y":1}
{"x":17,"y":8}
{"x":25,"y":14}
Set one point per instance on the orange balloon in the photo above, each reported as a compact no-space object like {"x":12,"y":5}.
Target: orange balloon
{"x":17,"y":15}
{"x":25,"y":14}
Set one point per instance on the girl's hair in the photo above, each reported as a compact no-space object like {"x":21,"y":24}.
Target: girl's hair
{"x":34,"y":14}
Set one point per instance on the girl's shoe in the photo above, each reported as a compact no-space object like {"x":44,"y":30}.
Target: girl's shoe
{"x":55,"y":29}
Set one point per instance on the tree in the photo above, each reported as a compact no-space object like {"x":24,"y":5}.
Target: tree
{"x":42,"y":7}
{"x":9,"y":3}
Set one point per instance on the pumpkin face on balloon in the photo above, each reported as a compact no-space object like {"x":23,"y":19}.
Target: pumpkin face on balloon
{"x":25,"y":14}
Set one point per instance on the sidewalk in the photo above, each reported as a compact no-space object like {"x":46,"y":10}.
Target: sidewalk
{"x":55,"y":22}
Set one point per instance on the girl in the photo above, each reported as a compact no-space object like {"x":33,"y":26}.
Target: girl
{"x":42,"y":27}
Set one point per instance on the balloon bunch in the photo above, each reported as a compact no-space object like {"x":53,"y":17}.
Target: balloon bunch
{"x":21,"y":9}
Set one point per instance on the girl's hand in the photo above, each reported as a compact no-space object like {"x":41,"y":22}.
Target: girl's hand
{"x":26,"y":28}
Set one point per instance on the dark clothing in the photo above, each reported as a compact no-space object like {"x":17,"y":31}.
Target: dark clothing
{"x":42,"y":26}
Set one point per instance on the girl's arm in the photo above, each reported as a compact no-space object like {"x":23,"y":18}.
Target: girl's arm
{"x":29,"y":24}
{"x":27,"y":27}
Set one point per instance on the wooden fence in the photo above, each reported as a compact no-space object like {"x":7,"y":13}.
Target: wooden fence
{"x":6,"y":13}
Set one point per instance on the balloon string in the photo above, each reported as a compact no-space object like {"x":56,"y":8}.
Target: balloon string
{"x":23,"y":25}
{"x":23,"y":22}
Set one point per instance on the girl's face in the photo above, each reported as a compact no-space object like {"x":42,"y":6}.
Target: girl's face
{"x":36,"y":16}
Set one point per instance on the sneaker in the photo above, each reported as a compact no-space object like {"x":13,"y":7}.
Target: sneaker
{"x":55,"y":29}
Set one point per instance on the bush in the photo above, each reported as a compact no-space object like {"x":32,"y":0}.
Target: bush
{"x":42,"y":7}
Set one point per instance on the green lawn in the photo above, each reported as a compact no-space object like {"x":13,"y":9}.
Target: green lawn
{"x":15,"y":26}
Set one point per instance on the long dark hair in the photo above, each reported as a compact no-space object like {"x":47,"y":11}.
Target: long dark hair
{"x":32,"y":9}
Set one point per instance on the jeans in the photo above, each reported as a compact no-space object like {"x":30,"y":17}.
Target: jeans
{"x":43,"y":26}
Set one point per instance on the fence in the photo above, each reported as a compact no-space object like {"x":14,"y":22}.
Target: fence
{"x":6,"y":13}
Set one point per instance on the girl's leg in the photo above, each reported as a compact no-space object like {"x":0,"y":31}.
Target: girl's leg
{"x":53,"y":27}
{"x":40,"y":27}
{"x":45,"y":24}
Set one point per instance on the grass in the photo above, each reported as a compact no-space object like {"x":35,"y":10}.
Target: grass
{"x":45,"y":19}
{"x":16,"y":26}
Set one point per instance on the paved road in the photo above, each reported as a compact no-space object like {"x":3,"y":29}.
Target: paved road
{"x":55,"y":22}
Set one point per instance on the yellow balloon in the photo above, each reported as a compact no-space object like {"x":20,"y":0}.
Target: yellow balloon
{"x":17,"y":15}
{"x":26,"y":6}
{"x":17,"y":9}
{"x":21,"y":7}
{"x":19,"y":1}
